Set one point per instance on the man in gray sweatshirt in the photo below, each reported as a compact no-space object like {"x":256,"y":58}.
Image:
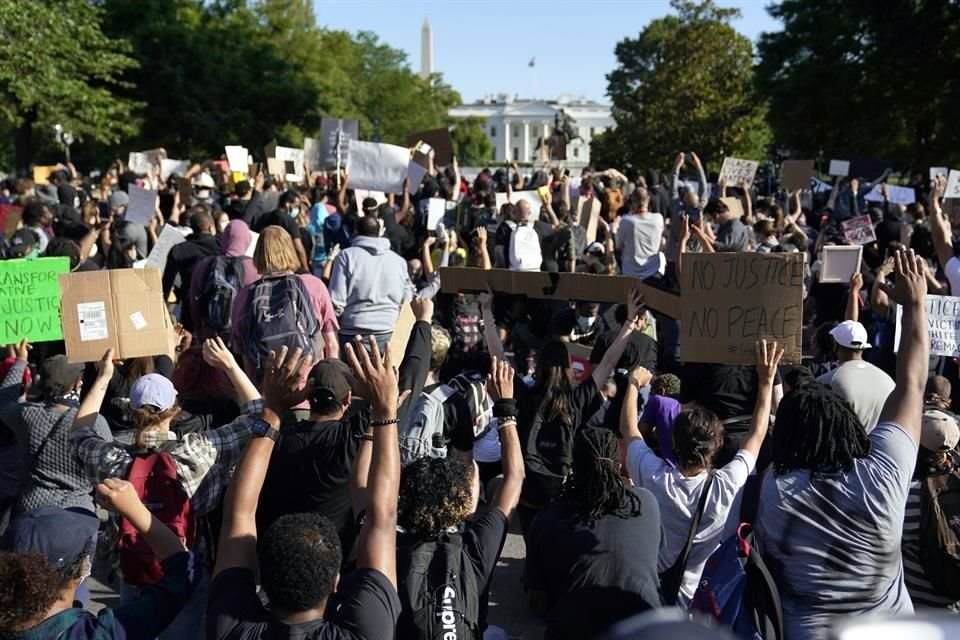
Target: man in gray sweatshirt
{"x":369,"y":284}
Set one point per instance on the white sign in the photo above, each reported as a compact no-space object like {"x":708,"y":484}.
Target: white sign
{"x":953,"y":185}
{"x":840,"y":168}
{"x":377,"y":166}
{"x":938,"y":171}
{"x":943,"y":325}
{"x":736,"y":170}
{"x":362,"y":194}
{"x":254,"y":236}
{"x":168,"y":167}
{"x":436,"y":209}
{"x":819,"y":186}
{"x":169,"y":237}
{"x":292,"y":160}
{"x":238,"y":158}
{"x":533,"y":198}
{"x":142,"y":206}
{"x":896,"y":195}
{"x":839,"y":263}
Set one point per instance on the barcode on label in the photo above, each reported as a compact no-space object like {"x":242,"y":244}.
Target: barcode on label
{"x":93,"y":321}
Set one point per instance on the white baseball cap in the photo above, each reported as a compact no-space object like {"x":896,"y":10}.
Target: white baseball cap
{"x":939,"y":430}
{"x":851,"y":335}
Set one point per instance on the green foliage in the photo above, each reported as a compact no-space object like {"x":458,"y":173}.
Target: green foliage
{"x":878,"y":79}
{"x":685,"y":83}
{"x":58,"y":67}
{"x":470,"y":142}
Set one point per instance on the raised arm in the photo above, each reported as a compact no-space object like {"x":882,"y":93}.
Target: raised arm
{"x":482,"y":248}
{"x":702,"y":187}
{"x":603,"y":370}
{"x":13,"y":382}
{"x":90,"y":405}
{"x":376,"y":380}
{"x":940,"y":225}
{"x":282,"y":390}
{"x":500,"y":385}
{"x":684,"y":239}
{"x":853,"y":298}
{"x":675,"y":177}
{"x":425,"y":256}
{"x":768,"y":359}
{"x":342,"y":194}
{"x":747,"y":200}
{"x":492,"y":338}
{"x":879,"y":301}
{"x":120,"y":497}
{"x":629,"y":416}
{"x":904,"y":405}
{"x":217,"y":355}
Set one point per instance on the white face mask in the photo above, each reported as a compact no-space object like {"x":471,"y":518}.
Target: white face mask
{"x":585,"y":322}
{"x":93,"y":250}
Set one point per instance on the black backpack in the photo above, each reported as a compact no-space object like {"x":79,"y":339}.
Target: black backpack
{"x":223,"y":280}
{"x":279,"y":313}
{"x":440,"y":597}
{"x":940,"y":533}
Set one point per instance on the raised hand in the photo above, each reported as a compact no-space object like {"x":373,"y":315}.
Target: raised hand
{"x":375,"y":376}
{"x":910,"y":287}
{"x":217,"y":355}
{"x":641,"y":377}
{"x":282,"y":386}
{"x":500,"y":380}
{"x":768,"y":359}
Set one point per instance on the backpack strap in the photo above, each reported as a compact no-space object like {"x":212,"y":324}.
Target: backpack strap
{"x":673,"y":577}
{"x":443,"y":393}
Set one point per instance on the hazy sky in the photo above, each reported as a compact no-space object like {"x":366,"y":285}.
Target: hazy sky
{"x":484,"y":47}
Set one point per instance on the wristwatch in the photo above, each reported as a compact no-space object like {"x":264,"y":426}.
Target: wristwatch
{"x":263,"y":429}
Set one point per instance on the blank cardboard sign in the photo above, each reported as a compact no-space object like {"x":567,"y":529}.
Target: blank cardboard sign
{"x":797,"y":174}
{"x":839,"y":263}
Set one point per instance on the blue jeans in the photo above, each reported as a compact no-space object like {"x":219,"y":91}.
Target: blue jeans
{"x":190,"y":624}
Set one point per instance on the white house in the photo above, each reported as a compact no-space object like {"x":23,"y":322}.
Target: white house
{"x":513,"y":126}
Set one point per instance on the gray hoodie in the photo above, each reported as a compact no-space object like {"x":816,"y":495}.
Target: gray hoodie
{"x":368,"y":285}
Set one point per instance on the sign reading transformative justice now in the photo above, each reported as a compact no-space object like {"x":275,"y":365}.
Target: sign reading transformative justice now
{"x":30,"y":299}
{"x":731,"y":300}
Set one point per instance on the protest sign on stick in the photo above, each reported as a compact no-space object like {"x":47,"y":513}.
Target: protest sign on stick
{"x":30,"y":299}
{"x":335,"y":136}
{"x":736,"y":170}
{"x":732,"y":300}
{"x":859,"y":230}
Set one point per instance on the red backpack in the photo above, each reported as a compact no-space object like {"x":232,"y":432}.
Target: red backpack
{"x":154,"y":478}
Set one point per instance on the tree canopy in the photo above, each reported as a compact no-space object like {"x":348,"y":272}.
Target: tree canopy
{"x":684,"y":83}
{"x":877,"y":79}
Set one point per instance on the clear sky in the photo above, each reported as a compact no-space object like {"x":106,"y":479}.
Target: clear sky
{"x":484,"y":47}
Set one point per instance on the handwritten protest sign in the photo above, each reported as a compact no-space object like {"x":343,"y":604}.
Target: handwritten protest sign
{"x":730,"y":301}
{"x":376,"y":166}
{"x":859,"y":230}
{"x":797,"y":174}
{"x":335,"y":135}
{"x":142,"y":206}
{"x":168,"y":239}
{"x":30,"y":299}
{"x":839,"y":168}
{"x":839,"y":263}
{"x":895,"y":194}
{"x":735,"y":170}
{"x":943,"y":325}
{"x":953,"y":185}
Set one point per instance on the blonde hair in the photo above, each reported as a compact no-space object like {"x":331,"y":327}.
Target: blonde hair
{"x":275,"y":251}
{"x":439,"y":347}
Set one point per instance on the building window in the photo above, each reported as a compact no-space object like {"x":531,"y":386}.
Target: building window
{"x":592,"y":132}
{"x":516,"y":132}
{"x":516,"y":153}
{"x":576,"y":152}
{"x":493,"y":132}
{"x":534,"y":132}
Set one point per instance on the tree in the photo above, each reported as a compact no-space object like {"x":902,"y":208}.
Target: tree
{"x":877,"y":79}
{"x":684,"y":83}
{"x":470,"y":142}
{"x":58,"y":67}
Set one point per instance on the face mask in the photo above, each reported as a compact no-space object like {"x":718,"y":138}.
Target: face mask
{"x":93,"y":251}
{"x":585,"y":322}
{"x":293,"y":213}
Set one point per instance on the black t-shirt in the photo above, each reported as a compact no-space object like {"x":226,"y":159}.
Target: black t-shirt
{"x":457,"y":420}
{"x":595,"y":576}
{"x":727,"y":390}
{"x":281,"y":219}
{"x":482,"y":543}
{"x":310,"y":472}
{"x":364,"y":607}
{"x":641,"y":350}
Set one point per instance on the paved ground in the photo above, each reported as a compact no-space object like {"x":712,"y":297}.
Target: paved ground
{"x":508,"y":603}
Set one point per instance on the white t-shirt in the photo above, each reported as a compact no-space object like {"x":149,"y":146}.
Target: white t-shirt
{"x":952,"y":271}
{"x":679,"y":496}
{"x":639,"y":238}
{"x":864,"y":386}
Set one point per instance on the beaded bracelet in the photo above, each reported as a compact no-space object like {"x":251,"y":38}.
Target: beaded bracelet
{"x":505,"y":420}
{"x":383,"y":423}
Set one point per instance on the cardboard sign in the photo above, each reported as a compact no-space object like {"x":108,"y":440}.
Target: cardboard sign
{"x":953,"y":185}
{"x":943,"y":325}
{"x":275,"y":168}
{"x":557,"y":286}
{"x":732,"y":300}
{"x":292,"y":160}
{"x":839,"y":168}
{"x":238,"y":158}
{"x":734,"y":205}
{"x":859,"y":230}
{"x":797,"y":174}
{"x":439,"y":140}
{"x":736,"y":170}
{"x":41,"y":175}
{"x":335,"y":136}
{"x":169,"y":167}
{"x":589,"y":217}
{"x":30,"y":299}
{"x":119,"y":309}
{"x":418,"y":166}
{"x":143,"y":204}
{"x":401,"y":332}
{"x":376,"y":166}
{"x":895,"y":194}
{"x":143,"y":162}
{"x":169,"y":237}
{"x":839,"y":263}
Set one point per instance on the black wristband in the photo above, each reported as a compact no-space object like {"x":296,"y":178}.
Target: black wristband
{"x":504,"y":407}
{"x":383,"y":423}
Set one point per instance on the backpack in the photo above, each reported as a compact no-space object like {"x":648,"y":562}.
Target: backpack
{"x":737,"y":590}
{"x":279,"y":313}
{"x":525,"y":252}
{"x":223,"y":280}
{"x":940,"y":533}
{"x":473,"y":387}
{"x":422,"y":434}
{"x":154,"y":478}
{"x":440,"y":597}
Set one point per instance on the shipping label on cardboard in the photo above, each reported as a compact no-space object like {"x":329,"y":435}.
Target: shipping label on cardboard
{"x":93,"y":321}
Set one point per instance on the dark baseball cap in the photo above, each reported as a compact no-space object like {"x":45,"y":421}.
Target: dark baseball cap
{"x":58,"y":374}
{"x":58,"y":535}
{"x":331,"y":381}
{"x":22,"y":243}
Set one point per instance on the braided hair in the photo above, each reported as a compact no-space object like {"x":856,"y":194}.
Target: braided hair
{"x":595,"y":487}
{"x":817,"y":430}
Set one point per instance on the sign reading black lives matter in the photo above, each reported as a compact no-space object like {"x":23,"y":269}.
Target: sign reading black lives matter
{"x":729,"y":301}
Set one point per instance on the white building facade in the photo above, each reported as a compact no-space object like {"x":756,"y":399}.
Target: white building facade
{"x":514,"y":126}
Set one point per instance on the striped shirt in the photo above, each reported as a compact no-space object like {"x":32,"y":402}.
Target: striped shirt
{"x":204,"y":460}
{"x":921,"y":591}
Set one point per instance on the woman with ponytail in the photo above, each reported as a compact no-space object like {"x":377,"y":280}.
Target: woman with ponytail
{"x":694,"y":484}
{"x":592,"y":557}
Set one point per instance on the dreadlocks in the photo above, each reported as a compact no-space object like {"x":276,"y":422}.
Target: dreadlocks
{"x":818,"y":431}
{"x":595,"y":488}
